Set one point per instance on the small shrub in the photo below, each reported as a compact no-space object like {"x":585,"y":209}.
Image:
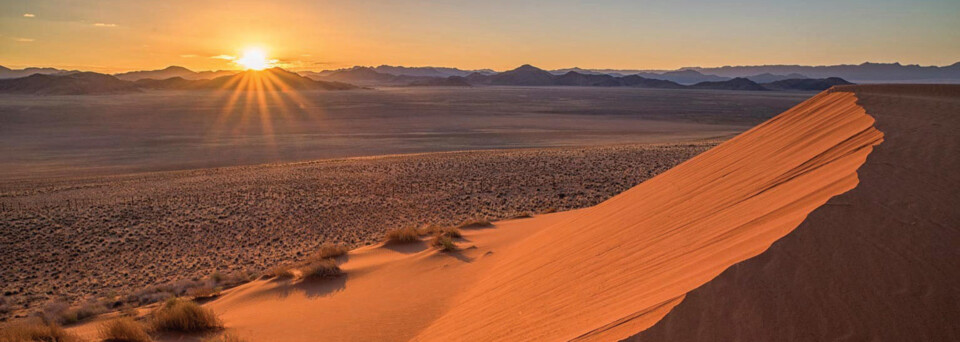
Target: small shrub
{"x":184,"y":316}
{"x":123,"y":330}
{"x":475,"y":223}
{"x":320,"y":269}
{"x":217,"y":277}
{"x":280,"y":272}
{"x":549,"y":210}
{"x":204,"y":292}
{"x":35,"y":331}
{"x":403,"y":235}
{"x":444,"y":243}
{"x":452,"y":232}
{"x":331,"y":250}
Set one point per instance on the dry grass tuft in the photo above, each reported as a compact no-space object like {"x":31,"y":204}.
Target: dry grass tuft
{"x":204,"y":292}
{"x":475,"y":223}
{"x":35,"y":331}
{"x":331,"y":250}
{"x":320,"y":269}
{"x":444,"y":243}
{"x":452,"y":232}
{"x":184,"y":316}
{"x":403,"y":235}
{"x":280,"y":272}
{"x":123,"y":330}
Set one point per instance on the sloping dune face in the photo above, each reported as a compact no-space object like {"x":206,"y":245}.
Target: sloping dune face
{"x":601,"y":273}
{"x":879,"y":263}
{"x":617,"y":268}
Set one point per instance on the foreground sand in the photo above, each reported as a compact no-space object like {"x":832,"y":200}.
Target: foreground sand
{"x":877,"y":263}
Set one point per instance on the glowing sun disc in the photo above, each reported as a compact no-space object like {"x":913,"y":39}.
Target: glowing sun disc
{"x":253,"y":59}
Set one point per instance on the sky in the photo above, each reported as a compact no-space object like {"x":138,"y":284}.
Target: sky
{"x":121,"y":35}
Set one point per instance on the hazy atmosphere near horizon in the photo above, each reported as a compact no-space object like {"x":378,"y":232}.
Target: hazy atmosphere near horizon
{"x":641,"y":171}
{"x":121,"y":35}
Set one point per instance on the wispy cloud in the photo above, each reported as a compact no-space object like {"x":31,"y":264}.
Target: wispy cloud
{"x":24,"y":40}
{"x":104,"y":25}
{"x":226,"y":57}
{"x":28,"y":15}
{"x":188,"y":56}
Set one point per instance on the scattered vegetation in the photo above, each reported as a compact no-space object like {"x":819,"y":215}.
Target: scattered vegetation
{"x":34,"y":330}
{"x":184,"y":316}
{"x":61,"y":313}
{"x":331,"y":250}
{"x":444,"y":243}
{"x":403,"y":235}
{"x":123,"y":329}
{"x":475,"y":223}
{"x":280,"y":272}
{"x":320,"y":269}
{"x":525,"y":214}
{"x":204,"y":292}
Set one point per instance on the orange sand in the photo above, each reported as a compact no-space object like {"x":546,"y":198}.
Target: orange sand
{"x":601,"y":273}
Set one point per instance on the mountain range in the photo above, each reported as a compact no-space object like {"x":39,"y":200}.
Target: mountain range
{"x":91,"y":83}
{"x":528,"y":75}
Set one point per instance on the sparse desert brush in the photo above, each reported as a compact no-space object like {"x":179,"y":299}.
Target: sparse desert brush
{"x":123,"y":329}
{"x":475,"y":223}
{"x":204,"y":292}
{"x":444,"y":243}
{"x":35,"y":331}
{"x":323,"y":268}
{"x":280,"y":272}
{"x":61,"y":313}
{"x":549,"y":210}
{"x":452,"y":232}
{"x":403,"y":235}
{"x":525,"y":214}
{"x":331,"y":250}
{"x":184,"y":316}
{"x":227,"y":337}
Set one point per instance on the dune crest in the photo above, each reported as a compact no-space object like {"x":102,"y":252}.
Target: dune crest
{"x":613,"y":270}
{"x":600,"y":273}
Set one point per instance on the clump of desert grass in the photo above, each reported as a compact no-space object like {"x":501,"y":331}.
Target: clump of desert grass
{"x":178,"y":315}
{"x":280,"y":272}
{"x":321,"y":269}
{"x":123,"y":329}
{"x":444,"y":243}
{"x":475,"y":223}
{"x":61,"y":312}
{"x":331,"y":250}
{"x":35,"y":330}
{"x":403,"y":235}
{"x":205,"y":292}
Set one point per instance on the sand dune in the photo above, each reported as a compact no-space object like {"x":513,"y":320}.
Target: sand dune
{"x":876,"y":263}
{"x":601,"y":273}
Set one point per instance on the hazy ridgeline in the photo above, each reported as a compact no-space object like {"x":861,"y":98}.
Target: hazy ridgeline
{"x":168,"y":130}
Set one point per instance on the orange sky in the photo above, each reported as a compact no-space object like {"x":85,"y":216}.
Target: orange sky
{"x":119,"y":35}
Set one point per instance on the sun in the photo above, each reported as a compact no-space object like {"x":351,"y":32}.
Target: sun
{"x":254,"y":59}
